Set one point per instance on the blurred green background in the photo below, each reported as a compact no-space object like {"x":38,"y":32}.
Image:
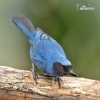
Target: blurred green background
{"x":78,"y":31}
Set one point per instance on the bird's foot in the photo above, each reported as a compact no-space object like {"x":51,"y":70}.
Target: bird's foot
{"x":35,"y":76}
{"x":59,"y":81}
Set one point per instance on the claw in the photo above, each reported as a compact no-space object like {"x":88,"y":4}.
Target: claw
{"x":59,"y":81}
{"x":35,"y":76}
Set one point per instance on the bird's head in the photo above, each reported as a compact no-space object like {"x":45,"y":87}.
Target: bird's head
{"x":61,"y":70}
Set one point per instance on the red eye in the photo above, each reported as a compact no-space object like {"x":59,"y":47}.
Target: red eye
{"x":61,"y":68}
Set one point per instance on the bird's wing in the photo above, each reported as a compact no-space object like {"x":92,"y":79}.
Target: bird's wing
{"x":42,"y":35}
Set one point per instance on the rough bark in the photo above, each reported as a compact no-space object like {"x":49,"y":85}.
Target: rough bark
{"x":18,"y":84}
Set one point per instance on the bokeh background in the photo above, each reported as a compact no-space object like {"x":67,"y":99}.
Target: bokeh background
{"x":78,"y":31}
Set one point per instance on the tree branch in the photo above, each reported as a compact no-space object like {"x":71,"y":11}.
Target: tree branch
{"x":18,"y":84}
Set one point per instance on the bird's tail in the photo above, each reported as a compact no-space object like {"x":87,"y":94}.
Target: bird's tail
{"x":24,"y":24}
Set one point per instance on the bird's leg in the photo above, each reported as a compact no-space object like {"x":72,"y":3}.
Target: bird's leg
{"x":59,"y":81}
{"x":34,"y":73}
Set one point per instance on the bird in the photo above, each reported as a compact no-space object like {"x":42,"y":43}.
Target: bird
{"x":45,"y":52}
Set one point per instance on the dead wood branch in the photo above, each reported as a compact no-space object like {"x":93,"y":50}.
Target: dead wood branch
{"x":18,"y":84}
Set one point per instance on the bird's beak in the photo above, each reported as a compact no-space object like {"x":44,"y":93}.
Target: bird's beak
{"x":72,"y":73}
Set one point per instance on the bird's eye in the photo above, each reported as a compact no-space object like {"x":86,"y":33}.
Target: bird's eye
{"x":61,"y":68}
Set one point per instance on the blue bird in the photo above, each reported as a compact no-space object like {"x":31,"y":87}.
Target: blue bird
{"x":45,"y":52}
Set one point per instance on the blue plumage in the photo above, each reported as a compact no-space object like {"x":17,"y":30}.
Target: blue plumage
{"x":45,"y":52}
